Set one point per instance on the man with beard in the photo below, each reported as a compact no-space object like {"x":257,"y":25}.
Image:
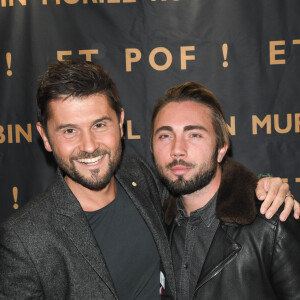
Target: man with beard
{"x":97,"y":231}
{"x":222,"y":248}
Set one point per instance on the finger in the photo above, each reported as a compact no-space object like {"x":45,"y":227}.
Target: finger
{"x":262,"y":188}
{"x":296,"y":210}
{"x":275,"y":190}
{"x":288,"y":207}
{"x":277,"y":199}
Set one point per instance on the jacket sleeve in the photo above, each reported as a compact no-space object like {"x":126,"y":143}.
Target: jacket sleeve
{"x":18,"y":276}
{"x":286,"y":260}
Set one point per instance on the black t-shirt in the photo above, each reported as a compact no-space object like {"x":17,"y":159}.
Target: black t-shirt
{"x":128,"y":248}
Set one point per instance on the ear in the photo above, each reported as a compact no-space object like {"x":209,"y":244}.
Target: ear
{"x":44,"y":137}
{"x":122,"y":116}
{"x":221,"y":153}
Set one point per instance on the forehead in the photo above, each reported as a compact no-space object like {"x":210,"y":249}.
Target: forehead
{"x":80,"y":107}
{"x":184,"y":113}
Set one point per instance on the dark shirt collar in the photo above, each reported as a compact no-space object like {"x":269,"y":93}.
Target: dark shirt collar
{"x":207,"y":213}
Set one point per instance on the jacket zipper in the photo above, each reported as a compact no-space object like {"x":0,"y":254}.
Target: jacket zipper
{"x":220,"y":267}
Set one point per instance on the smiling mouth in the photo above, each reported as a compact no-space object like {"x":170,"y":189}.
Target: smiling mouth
{"x":91,"y":161}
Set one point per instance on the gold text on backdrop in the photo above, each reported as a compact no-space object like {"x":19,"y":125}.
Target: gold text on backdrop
{"x":12,"y":133}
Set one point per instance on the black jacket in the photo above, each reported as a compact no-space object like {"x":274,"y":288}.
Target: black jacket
{"x":250,"y":257}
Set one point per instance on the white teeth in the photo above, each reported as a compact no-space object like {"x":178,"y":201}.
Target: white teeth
{"x":90,"y":161}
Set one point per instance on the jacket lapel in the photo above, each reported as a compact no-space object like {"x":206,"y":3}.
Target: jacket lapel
{"x":235,"y":205}
{"x":75,"y":225}
{"x":222,"y":252}
{"x":135,"y":188}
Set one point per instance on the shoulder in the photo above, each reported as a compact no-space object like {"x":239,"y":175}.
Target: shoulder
{"x":23,"y":229}
{"x":272,"y":230}
{"x":134,"y":163}
{"x":135,"y":169}
{"x":282,"y":239}
{"x":269,"y":234}
{"x":290,"y":226}
{"x":33,"y":214}
{"x":33,"y":207}
{"x":236,"y":194}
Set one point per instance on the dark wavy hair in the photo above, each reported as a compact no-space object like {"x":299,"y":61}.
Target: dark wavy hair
{"x":73,"y":78}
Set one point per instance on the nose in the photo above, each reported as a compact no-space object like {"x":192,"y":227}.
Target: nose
{"x":88,"y":142}
{"x":178,"y":149}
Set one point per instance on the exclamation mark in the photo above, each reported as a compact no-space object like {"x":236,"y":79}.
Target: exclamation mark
{"x":8,"y":60}
{"x":225,"y":51}
{"x":15,"y":194}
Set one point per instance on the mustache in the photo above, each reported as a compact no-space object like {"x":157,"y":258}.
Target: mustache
{"x":179,"y":162}
{"x":83,"y":154}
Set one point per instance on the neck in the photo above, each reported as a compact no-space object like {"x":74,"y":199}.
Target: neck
{"x":201,"y":197}
{"x":91,"y":200}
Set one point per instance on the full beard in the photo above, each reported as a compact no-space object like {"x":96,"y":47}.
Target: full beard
{"x":181,"y":186}
{"x":94,"y":182}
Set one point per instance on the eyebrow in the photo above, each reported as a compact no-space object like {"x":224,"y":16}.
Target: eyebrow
{"x":193,"y":127}
{"x":168,"y":128}
{"x":106,"y":118}
{"x":186,"y":128}
{"x":63,"y":126}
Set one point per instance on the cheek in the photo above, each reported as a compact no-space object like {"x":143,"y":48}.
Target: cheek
{"x":65,"y":148}
{"x":202,"y":146}
{"x":112,"y":139}
{"x":109,"y":141}
{"x":161,"y":153}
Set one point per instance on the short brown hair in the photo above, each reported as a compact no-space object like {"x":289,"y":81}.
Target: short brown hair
{"x":193,"y":91}
{"x":74,"y":78}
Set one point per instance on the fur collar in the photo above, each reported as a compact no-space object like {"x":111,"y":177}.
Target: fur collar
{"x":236,"y":195}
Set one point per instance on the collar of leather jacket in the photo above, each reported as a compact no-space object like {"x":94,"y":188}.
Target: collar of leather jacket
{"x":236,"y":195}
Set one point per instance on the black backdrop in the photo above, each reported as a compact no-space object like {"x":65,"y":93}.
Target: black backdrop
{"x":246,"y":52}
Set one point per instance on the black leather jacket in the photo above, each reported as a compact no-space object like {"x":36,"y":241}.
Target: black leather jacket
{"x":250,"y":257}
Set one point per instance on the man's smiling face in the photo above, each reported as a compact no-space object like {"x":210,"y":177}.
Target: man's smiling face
{"x":85,"y":137}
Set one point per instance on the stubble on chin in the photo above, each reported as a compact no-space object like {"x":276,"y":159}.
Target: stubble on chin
{"x":93,"y":182}
{"x":180,"y":185}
